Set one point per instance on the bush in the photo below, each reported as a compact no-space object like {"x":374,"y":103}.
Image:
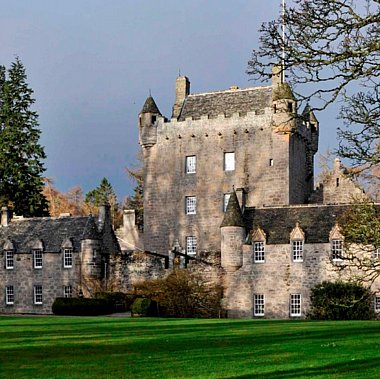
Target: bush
{"x":144,"y":307}
{"x":72,"y":306}
{"x":183,"y":294}
{"x":117,"y":300}
{"x":341,"y":301}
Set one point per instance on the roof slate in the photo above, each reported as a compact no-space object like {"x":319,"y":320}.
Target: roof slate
{"x":150,"y":106}
{"x":233,"y":215}
{"x":51,"y":231}
{"x":277,"y":223}
{"x":226,"y":102}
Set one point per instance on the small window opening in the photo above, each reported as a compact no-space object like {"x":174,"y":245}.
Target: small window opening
{"x":274,"y":108}
{"x":337,"y":182}
{"x":271,"y":162}
{"x":154,"y":118}
{"x":290,"y":107}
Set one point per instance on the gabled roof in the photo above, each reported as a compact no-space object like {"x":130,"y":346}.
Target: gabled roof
{"x":51,"y":231}
{"x":316,"y":221}
{"x":226,"y":102}
{"x":150,"y":106}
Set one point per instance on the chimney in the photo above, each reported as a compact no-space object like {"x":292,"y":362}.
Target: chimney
{"x":104,"y":215}
{"x":182,"y":90}
{"x":5,"y":216}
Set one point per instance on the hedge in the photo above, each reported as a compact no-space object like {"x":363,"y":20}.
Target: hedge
{"x":74,"y":306}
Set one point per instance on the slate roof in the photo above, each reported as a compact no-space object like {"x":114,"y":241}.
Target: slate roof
{"x":233,"y":215}
{"x":150,"y":106}
{"x":52,"y":231}
{"x":227,"y":102}
{"x":277,"y":223}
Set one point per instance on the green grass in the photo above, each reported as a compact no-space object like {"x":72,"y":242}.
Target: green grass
{"x":104,"y":347}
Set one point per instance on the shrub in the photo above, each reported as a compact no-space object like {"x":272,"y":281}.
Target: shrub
{"x":117,"y":300}
{"x":143,"y":307}
{"x":72,"y":306}
{"x":341,"y":301}
{"x":183,"y":294}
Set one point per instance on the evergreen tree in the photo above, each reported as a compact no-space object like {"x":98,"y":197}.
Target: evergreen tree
{"x":21,"y":154}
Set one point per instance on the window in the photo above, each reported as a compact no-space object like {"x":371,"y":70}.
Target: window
{"x":67,"y":258}
{"x":37,"y":294}
{"x":37,"y":258}
{"x":9,"y":295}
{"x":191,"y":245}
{"x":258,"y":305}
{"x":271,"y":162}
{"x":191,"y":205}
{"x":229,"y":161}
{"x":297,"y":248}
{"x":226,"y":198}
{"x":191,"y":164}
{"x":94,"y":254}
{"x":336,"y":250}
{"x":67,"y":291}
{"x":295,"y":304}
{"x":377,"y":253}
{"x":258,"y":251}
{"x":9,"y":260}
{"x":377,"y":303}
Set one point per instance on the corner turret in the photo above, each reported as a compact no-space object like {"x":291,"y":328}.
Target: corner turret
{"x":284,"y":103}
{"x":232,"y":235}
{"x":312,"y":124}
{"x":147,"y":120}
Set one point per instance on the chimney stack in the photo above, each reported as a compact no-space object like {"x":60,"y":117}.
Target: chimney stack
{"x":5,"y":216}
{"x":182,"y":90}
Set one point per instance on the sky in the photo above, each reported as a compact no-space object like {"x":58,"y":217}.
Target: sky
{"x":92,"y":64}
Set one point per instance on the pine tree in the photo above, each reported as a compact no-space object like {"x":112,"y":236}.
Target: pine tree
{"x":21,"y":154}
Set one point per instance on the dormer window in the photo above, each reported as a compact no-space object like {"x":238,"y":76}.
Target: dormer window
{"x":336,"y":243}
{"x":258,"y":242}
{"x":37,"y":258}
{"x":67,"y":258}
{"x":9,"y":260}
{"x":297,"y":239}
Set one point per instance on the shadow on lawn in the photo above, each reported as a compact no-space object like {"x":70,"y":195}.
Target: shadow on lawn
{"x":343,"y":370}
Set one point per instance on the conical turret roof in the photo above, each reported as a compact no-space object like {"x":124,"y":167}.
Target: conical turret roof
{"x":282,"y":91}
{"x":150,"y":106}
{"x":91,"y":230}
{"x":233,"y":215}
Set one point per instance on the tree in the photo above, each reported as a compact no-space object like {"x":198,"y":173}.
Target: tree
{"x":334,"y":44}
{"x":104,"y":194}
{"x":21,"y":154}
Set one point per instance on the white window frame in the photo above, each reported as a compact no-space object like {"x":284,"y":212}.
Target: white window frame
{"x":295,"y":305}
{"x":259,"y":304}
{"x":191,"y":245}
{"x":37,"y":294}
{"x":229,"y":161}
{"x":37,"y":258}
{"x":297,"y":250}
{"x":226,"y":199}
{"x":191,"y":205}
{"x":9,"y":295}
{"x":67,"y":258}
{"x":68,"y":291}
{"x":259,"y":251}
{"x":377,"y":303}
{"x":191,"y":164}
{"x":9,"y":260}
{"x":336,"y":249}
{"x":376,"y":253}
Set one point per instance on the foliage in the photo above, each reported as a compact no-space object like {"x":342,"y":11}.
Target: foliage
{"x":118,"y":301}
{"x":104,"y":347}
{"x":104,"y":194}
{"x":334,"y":44}
{"x":75,"y":306}
{"x":360,"y":226}
{"x":341,"y":301}
{"x":183,"y":294}
{"x":144,"y":307}
{"x":21,"y":154}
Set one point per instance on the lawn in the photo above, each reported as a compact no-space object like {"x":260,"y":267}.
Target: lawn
{"x":105,"y":347}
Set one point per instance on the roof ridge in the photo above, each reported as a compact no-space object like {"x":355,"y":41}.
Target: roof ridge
{"x":230,"y":91}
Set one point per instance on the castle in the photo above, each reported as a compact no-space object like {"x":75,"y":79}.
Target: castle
{"x":228,"y":192}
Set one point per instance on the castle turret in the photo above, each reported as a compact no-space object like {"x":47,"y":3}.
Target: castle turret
{"x":90,"y":255}
{"x":312,"y":124}
{"x":232,"y":235}
{"x":147,"y":120}
{"x":182,"y":90}
{"x":284,"y":103}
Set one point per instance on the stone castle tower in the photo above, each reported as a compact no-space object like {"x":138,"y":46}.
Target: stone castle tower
{"x":248,"y":139}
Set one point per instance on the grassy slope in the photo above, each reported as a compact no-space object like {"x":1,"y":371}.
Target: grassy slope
{"x":71,"y":347}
